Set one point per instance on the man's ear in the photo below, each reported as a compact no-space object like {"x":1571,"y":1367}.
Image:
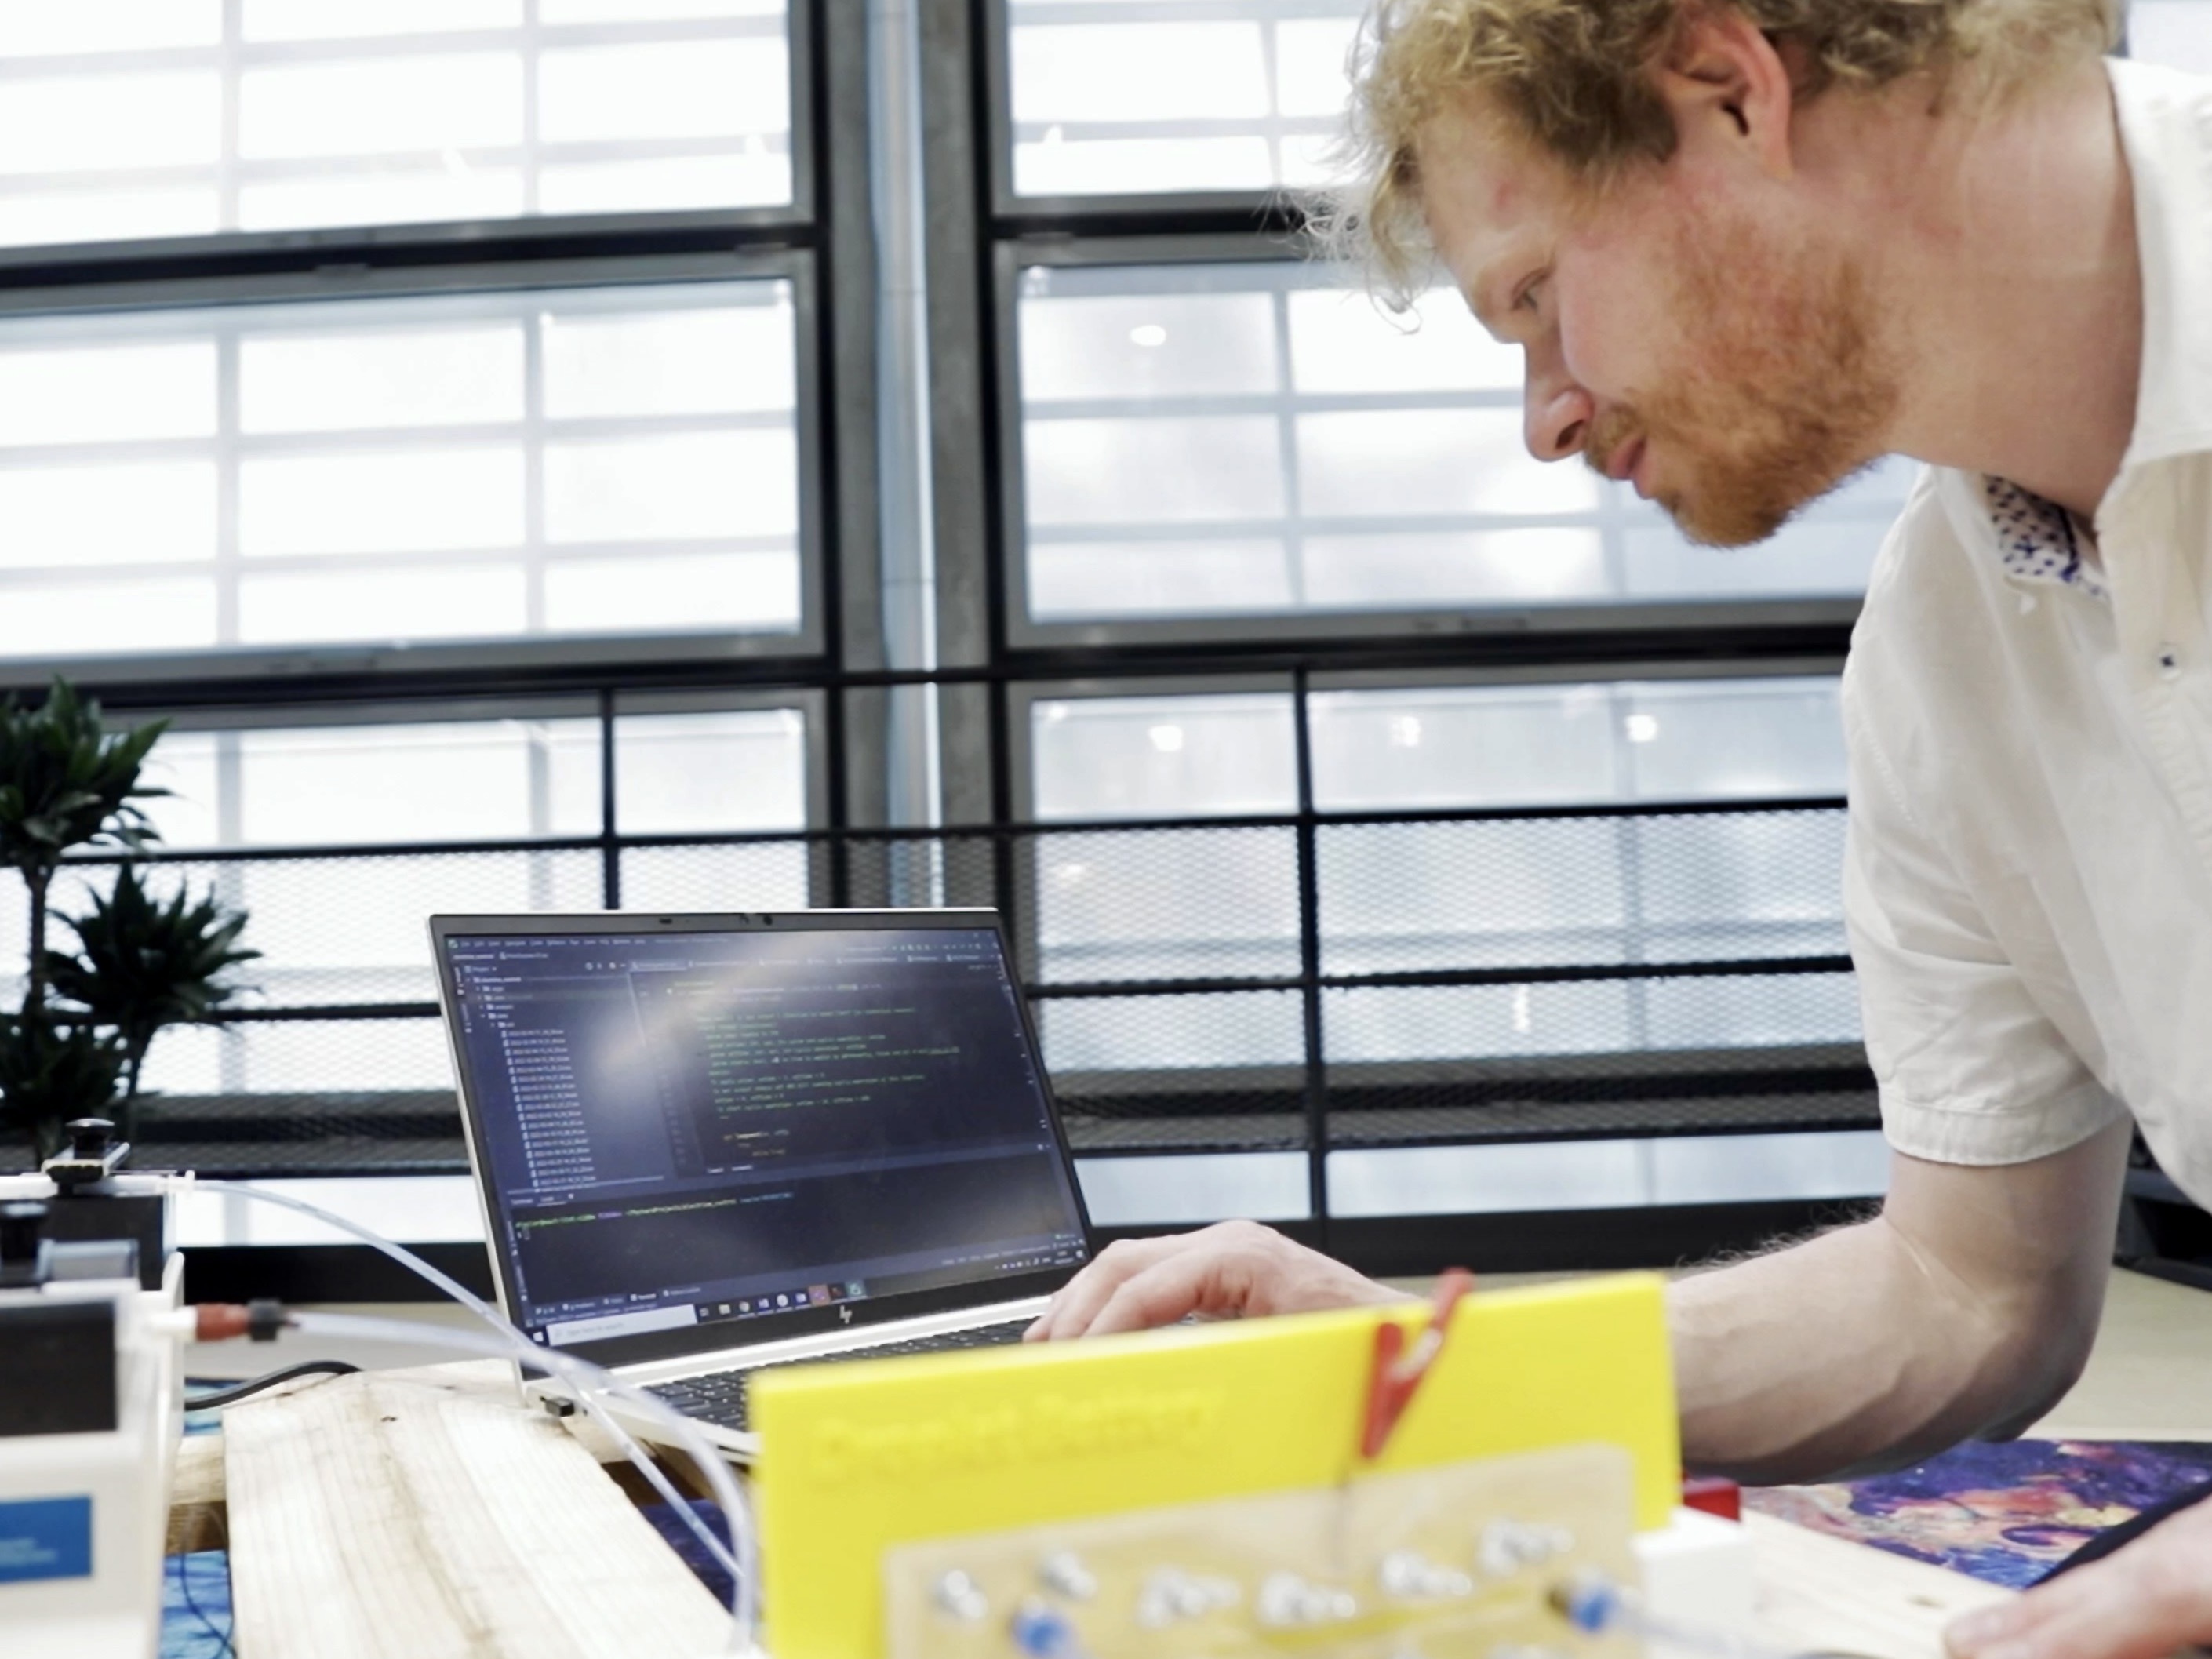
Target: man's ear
{"x":1729,"y":88}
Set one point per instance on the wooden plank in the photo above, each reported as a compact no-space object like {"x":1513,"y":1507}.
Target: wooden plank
{"x":196,"y":1512}
{"x":198,"y":1478}
{"x":428,"y":1514}
{"x":196,"y":1490}
{"x":1826,"y":1595}
{"x":197,"y":1516}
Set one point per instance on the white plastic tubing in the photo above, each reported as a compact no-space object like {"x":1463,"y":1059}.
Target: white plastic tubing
{"x":591,"y":1385}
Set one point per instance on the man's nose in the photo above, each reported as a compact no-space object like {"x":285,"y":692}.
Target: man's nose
{"x":1556,"y":417}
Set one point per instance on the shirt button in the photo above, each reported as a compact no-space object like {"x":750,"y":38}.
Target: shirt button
{"x":2169,"y":662}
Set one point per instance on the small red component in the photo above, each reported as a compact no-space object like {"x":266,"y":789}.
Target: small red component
{"x":1714,"y":1495}
{"x":219,"y":1322}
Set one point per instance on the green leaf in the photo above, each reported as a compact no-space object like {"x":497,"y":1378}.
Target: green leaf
{"x":67,"y":781}
{"x":52,"y":1072}
{"x":143,"y":963}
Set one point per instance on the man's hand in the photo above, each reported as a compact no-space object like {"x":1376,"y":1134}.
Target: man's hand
{"x":2142,"y":1602}
{"x":1236,"y":1269}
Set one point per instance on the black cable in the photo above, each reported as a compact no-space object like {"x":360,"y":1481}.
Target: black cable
{"x":2119,"y":1537}
{"x":231,"y":1396}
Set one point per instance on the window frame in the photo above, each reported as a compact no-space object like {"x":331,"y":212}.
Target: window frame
{"x":523,"y":253}
{"x":522,"y":234}
{"x":1008,"y":205}
{"x":520,"y":653}
{"x":1012,"y":255}
{"x":806,"y":700}
{"x":1022,"y":698}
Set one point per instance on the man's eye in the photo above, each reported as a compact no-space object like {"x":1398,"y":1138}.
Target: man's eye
{"x":1526,"y":299}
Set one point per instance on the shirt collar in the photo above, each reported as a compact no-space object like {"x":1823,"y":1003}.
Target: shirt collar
{"x":2039,"y":540}
{"x":2166,"y":132}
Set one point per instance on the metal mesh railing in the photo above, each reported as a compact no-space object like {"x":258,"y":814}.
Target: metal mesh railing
{"x":1296,"y":981}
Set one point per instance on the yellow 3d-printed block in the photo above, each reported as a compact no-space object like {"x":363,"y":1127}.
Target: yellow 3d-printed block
{"x":861,"y":1456}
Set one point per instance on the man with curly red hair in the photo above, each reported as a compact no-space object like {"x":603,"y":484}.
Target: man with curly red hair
{"x":1749,"y":247}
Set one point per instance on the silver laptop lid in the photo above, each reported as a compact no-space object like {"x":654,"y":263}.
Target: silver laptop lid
{"x":697,"y":1131}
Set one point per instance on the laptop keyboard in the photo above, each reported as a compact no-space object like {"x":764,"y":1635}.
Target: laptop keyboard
{"x":718,"y":1397}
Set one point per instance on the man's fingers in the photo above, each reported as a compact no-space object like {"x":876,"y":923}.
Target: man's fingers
{"x":1074,"y":1311}
{"x":1162,"y":1294}
{"x":1078,"y":1302}
{"x":2089,"y":1614}
{"x":2002,"y":1629}
{"x":2126,"y":1608}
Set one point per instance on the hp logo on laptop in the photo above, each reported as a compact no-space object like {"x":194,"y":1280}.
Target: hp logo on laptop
{"x":844,"y":1315}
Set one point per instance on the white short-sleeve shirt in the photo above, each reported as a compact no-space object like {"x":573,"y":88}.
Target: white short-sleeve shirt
{"x":2028,"y":886}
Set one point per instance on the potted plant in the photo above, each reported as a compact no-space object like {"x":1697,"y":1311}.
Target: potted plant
{"x":77,"y":1046}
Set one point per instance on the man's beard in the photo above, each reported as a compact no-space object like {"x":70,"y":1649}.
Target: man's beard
{"x":1784,"y":392}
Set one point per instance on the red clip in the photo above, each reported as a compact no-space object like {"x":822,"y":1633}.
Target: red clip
{"x":1714,"y":1495}
{"x":1390,"y":1385}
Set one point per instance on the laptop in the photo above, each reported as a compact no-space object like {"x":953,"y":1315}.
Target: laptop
{"x":710,"y":1144}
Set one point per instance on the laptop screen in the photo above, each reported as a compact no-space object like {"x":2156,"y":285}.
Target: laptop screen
{"x":727,"y":1127}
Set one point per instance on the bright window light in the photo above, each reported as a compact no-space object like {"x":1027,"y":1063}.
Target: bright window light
{"x":345,"y":112}
{"x":1297,"y":450}
{"x":2177,"y":33}
{"x":1124,"y":96}
{"x":489,"y":467}
{"x":1231,"y":754}
{"x":1510,"y":891}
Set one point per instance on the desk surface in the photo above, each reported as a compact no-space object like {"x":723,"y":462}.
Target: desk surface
{"x":2150,"y":1374}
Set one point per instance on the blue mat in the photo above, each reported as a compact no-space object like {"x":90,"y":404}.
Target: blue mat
{"x":2005,"y":1512}
{"x":196,"y":1605}
{"x":685,"y":1542}
{"x":196,"y":1588}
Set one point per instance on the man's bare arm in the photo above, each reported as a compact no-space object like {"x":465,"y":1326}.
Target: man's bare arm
{"x":1967,"y":1307}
